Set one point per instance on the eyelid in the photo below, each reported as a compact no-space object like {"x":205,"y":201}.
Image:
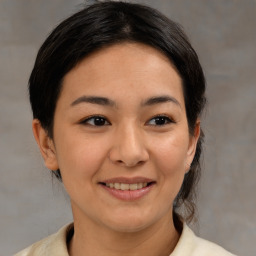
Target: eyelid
{"x":85,"y":120}
{"x":169,"y":118}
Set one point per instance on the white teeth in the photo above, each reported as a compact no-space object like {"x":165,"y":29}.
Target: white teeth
{"x":133,"y":186}
{"x":117,"y":185}
{"x":124,"y":186}
{"x":140,"y":185}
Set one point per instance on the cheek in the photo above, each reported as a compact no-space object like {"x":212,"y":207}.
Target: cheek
{"x":80,"y":157}
{"x":171,"y":155}
{"x":170,"y":162}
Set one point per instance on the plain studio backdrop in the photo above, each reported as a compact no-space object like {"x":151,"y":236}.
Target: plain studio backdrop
{"x":32,"y":205}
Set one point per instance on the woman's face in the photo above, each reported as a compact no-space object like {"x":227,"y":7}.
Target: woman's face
{"x":121,"y":137}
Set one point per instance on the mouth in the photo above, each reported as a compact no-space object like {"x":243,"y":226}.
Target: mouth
{"x":127,"y":186}
{"x":128,"y":189}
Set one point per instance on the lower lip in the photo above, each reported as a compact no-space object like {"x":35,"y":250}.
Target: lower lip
{"x":129,"y":195}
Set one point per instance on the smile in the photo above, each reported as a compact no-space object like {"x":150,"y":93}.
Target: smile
{"x":124,"y":186}
{"x":126,"y":189}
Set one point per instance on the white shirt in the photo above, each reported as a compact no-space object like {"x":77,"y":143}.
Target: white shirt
{"x":188,"y":245}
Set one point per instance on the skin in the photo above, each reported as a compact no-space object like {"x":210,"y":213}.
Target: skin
{"x":130,"y":142}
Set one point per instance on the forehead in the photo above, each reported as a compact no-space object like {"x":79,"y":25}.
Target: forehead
{"x":123,"y":67}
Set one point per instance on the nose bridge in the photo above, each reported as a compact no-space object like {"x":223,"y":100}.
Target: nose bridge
{"x":130,"y":139}
{"x":129,"y":147}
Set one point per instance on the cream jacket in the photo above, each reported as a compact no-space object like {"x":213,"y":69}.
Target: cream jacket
{"x":188,"y":245}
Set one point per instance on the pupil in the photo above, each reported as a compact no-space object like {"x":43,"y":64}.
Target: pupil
{"x":99,"y":121}
{"x":160,"y":120}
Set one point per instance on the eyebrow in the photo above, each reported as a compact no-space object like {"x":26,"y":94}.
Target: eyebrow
{"x":160,"y":99}
{"x":107,"y":102}
{"x":94,"y":100}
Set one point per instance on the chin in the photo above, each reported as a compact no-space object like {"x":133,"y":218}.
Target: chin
{"x":129,"y":227}
{"x":129,"y":223}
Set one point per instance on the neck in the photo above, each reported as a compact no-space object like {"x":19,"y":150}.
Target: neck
{"x":93,"y":239}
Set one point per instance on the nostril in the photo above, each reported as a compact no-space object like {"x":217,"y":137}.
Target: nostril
{"x":129,"y":163}
{"x":128,"y":158}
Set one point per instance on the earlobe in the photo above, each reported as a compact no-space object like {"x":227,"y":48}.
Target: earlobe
{"x":46,"y":145}
{"x":192,"y":145}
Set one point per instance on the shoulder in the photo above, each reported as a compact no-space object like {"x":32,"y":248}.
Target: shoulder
{"x":204,"y":247}
{"x":52,"y":245}
{"x":191,"y":245}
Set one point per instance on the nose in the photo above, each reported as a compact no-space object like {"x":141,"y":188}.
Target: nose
{"x":129,"y":147}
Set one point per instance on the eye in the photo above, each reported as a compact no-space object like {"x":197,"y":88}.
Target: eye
{"x":160,"y":120}
{"x":96,"y":121}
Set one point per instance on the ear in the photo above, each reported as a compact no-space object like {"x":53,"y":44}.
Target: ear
{"x":46,"y":145}
{"x":192,"y":144}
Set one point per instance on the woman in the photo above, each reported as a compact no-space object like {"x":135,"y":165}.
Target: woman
{"x":116,"y":94}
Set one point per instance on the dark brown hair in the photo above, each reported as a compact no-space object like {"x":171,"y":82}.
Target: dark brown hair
{"x":101,"y":25}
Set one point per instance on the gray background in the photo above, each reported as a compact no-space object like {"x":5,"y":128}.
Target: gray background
{"x":32,"y":205}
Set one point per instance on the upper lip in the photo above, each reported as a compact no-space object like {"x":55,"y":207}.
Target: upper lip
{"x":126,"y":180}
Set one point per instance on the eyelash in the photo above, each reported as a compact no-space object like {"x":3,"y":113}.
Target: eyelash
{"x":95,"y":118}
{"x":167,"y":120}
{"x":103,"y":121}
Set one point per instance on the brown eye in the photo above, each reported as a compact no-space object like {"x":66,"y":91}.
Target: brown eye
{"x":160,"y":120}
{"x":96,"y":121}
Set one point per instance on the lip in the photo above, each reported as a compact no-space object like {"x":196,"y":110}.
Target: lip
{"x":126,"y":180}
{"x":128,"y":195}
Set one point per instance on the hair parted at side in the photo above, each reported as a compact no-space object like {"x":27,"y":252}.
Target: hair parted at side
{"x":106,"y":23}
